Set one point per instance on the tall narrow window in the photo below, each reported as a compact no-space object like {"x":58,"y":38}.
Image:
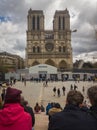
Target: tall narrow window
{"x":34,"y":49}
{"x":63,"y":48}
{"x":59,"y":48}
{"x":38,"y":23}
{"x":33,"y":23}
{"x":38,"y":49}
{"x":63,"y":23}
{"x":59,"y":23}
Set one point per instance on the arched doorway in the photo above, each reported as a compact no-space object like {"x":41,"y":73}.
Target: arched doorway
{"x":62,"y":66}
{"x":35,"y":63}
{"x":50,"y":62}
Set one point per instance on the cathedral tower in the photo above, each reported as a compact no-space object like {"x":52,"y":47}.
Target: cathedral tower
{"x":51,"y":47}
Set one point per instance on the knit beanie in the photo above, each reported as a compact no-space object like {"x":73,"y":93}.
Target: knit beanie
{"x":13,"y":95}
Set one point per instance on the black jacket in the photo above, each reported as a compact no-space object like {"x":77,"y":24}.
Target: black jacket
{"x":93,"y":111}
{"x":72,"y":118}
{"x":30,"y":111}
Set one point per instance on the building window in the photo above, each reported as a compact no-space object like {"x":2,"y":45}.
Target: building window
{"x":59,"y":23}
{"x":38,"y":23}
{"x":38,"y":49}
{"x":63,"y":48}
{"x":59,"y":48}
{"x":63,"y":23}
{"x":33,"y":23}
{"x":34,"y":49}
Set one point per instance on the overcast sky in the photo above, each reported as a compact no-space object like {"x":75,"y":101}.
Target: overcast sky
{"x":13,"y":24}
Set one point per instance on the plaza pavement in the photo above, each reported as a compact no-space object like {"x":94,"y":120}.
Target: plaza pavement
{"x":36,"y":92}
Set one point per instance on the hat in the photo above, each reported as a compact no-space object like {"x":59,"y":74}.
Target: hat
{"x":12,"y":95}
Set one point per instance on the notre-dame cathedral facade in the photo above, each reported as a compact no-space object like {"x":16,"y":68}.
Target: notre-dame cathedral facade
{"x":52,"y":47}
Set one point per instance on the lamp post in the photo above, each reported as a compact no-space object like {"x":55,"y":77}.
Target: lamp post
{"x":75,"y":30}
{"x":96,"y":34}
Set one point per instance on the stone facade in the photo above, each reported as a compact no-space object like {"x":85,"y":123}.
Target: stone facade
{"x":52,"y":47}
{"x":10,"y":62}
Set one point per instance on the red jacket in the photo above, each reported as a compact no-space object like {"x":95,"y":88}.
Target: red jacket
{"x":13,"y":117}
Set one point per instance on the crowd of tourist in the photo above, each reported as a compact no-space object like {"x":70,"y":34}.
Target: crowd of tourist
{"x":15,"y":112}
{"x":76,"y":115}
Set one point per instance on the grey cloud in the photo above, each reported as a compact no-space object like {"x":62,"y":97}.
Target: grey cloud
{"x":84,"y":13}
{"x":18,"y":9}
{"x":86,"y":46}
{"x":20,"y":45}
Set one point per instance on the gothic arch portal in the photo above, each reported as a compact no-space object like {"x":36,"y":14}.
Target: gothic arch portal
{"x":50,"y":62}
{"x":62,"y":65}
{"x":35,"y":63}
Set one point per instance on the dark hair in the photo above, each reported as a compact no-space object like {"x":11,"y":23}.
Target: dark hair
{"x":75,"y":97}
{"x":92,"y":94}
{"x":57,"y":105}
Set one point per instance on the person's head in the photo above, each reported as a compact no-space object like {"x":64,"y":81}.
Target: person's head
{"x":92,"y":94}
{"x":23,"y":101}
{"x":75,"y":98}
{"x":37,"y":104}
{"x":13,"y":95}
{"x":57,"y":105}
{"x":52,"y":104}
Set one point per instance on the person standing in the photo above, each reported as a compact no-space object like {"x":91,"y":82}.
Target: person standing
{"x":83,"y":90}
{"x":63,"y":88}
{"x":71,"y":87}
{"x":25,"y":82}
{"x":75,"y":87}
{"x":58,"y":92}
{"x":12,"y":115}
{"x":73,"y":117}
{"x":46,"y":82}
{"x":54,"y":90}
{"x":28,"y":109}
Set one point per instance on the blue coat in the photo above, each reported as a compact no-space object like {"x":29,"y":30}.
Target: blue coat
{"x":48,"y":107}
{"x":72,"y":118}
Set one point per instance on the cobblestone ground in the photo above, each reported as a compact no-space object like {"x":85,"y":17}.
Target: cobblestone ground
{"x":37,"y":92}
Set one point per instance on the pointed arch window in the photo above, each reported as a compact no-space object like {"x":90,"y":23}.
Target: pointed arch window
{"x":59,"y":23}
{"x":59,"y":48}
{"x":38,"y":49}
{"x":38,"y":23}
{"x":34,"y":49}
{"x":63,"y":23}
{"x":63,"y":48}
{"x":33,"y":23}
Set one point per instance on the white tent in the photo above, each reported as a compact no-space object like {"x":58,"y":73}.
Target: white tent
{"x":43,"y":68}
